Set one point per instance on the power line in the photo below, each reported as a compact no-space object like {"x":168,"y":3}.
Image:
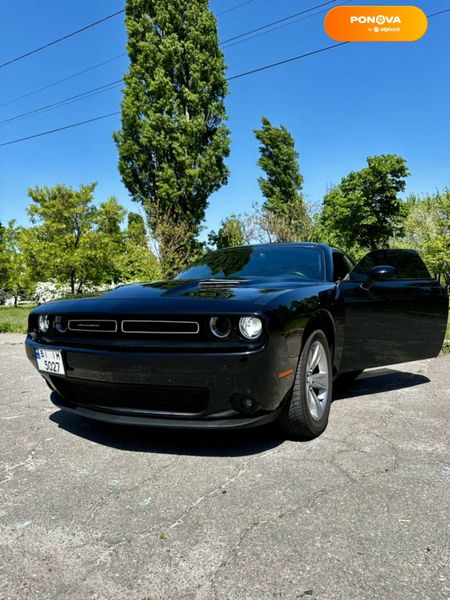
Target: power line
{"x":224,"y":12}
{"x":30,"y":137}
{"x":61,"y":39}
{"x":238,"y":76}
{"x":87,"y":94}
{"x":96,"y":66}
{"x":302,"y":12}
{"x":441,"y":12}
{"x":286,"y":60}
{"x":225,"y":41}
{"x":319,"y":12}
{"x":46,"y":87}
{"x":118,"y":112}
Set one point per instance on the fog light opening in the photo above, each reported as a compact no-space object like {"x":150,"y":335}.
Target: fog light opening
{"x":245,"y":405}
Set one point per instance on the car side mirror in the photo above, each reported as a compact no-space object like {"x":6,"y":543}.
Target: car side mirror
{"x":383,"y":273}
{"x":380,"y":273}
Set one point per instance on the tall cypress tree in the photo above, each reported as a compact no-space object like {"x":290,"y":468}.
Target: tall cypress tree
{"x":284,"y":210}
{"x":173,"y":140}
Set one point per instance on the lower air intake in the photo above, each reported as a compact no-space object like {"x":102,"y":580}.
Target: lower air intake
{"x":133,"y":398}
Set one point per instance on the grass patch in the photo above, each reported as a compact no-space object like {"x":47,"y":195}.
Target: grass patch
{"x":14,"y":320}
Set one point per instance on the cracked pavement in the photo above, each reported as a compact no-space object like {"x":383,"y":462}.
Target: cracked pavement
{"x":91,"y":511}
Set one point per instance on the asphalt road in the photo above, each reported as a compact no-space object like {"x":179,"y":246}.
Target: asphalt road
{"x":93,"y":511}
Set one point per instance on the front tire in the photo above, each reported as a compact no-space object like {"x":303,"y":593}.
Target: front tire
{"x":306,"y":414}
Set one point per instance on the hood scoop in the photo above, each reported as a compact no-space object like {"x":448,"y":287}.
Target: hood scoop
{"x":215,"y":284}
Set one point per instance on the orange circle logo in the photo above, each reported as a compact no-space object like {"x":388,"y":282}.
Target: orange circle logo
{"x":376,"y":23}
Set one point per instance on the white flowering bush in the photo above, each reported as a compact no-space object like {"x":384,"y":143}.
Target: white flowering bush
{"x":47,"y":291}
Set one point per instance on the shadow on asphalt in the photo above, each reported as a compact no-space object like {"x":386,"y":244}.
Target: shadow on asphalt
{"x":377,"y":381}
{"x":244,"y":442}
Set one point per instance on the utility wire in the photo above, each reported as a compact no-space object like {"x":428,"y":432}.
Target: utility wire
{"x":225,"y":41}
{"x":29,"y":137}
{"x":118,"y":112}
{"x":61,"y":39}
{"x":441,"y":12}
{"x":87,"y":94}
{"x":302,"y":12}
{"x":96,"y":66}
{"x":319,"y":12}
{"x":257,"y":70}
{"x":46,"y":87}
{"x":224,"y":12}
{"x":286,"y":60}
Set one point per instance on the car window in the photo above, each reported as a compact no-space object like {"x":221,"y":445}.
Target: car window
{"x":259,"y":261}
{"x":341,"y":266}
{"x":408,"y":264}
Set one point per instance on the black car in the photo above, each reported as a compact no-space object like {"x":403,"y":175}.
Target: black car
{"x":243,"y":337}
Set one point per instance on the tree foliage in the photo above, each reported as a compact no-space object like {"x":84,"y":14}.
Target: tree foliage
{"x":427,"y":230}
{"x":16,"y":278}
{"x":285,"y":215}
{"x":3,"y":258}
{"x":138,"y":262}
{"x":364,"y":210}
{"x":173,"y":140}
{"x":61,"y":244}
{"x":231,"y":233}
{"x":74,"y":242}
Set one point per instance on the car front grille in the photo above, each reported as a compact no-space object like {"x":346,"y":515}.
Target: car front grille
{"x":133,"y":398}
{"x":160,"y":326}
{"x":126,"y":327}
{"x":93,"y":325}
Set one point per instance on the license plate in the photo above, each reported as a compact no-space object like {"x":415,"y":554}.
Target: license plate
{"x":50,"y":361}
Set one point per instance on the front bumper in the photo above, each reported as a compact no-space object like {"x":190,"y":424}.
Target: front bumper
{"x":134,"y":377}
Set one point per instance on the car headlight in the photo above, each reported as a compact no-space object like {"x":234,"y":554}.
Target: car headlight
{"x":250,"y":327}
{"x":44,"y":323}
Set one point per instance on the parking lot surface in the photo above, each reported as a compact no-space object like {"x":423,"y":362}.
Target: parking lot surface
{"x":89,"y":511}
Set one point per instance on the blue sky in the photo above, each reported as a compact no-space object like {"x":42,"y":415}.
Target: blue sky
{"x":341,"y":106}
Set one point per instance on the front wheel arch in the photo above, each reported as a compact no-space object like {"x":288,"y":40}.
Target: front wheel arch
{"x":322,"y":320}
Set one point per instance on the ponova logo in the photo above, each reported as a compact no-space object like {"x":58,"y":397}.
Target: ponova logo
{"x":379,"y":19}
{"x":376,"y":23}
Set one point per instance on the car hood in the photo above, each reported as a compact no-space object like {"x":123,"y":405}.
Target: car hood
{"x":178,"y":295}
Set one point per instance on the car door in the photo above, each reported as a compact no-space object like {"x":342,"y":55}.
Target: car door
{"x":391,"y":321}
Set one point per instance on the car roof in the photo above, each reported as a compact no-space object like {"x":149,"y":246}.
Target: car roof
{"x":287,"y":245}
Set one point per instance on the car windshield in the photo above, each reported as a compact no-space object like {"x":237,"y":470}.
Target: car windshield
{"x":259,"y":261}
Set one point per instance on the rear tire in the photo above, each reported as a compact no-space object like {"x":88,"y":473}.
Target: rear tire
{"x":305,"y":416}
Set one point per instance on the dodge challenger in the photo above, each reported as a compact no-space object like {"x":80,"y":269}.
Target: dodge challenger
{"x":245,"y":336}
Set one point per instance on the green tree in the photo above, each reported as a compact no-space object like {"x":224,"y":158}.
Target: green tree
{"x":138,"y":263}
{"x":427,"y":230}
{"x":136,"y":231}
{"x":231,"y":233}
{"x":364,"y":210}
{"x":173,"y":140}
{"x":72,"y":241}
{"x":284,"y":212}
{"x":108,"y":244}
{"x":3,"y":258}
{"x":17,"y":280}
